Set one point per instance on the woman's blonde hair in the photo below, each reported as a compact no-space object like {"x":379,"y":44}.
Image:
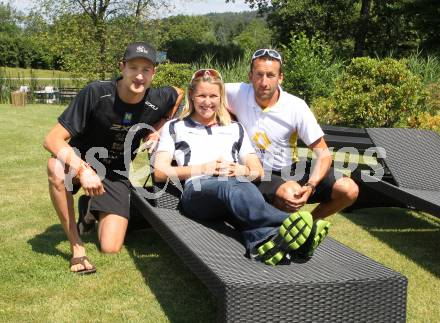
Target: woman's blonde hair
{"x":222,"y":115}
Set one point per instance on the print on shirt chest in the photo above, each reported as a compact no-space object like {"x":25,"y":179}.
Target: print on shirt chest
{"x":267,"y":134}
{"x":195,"y":143}
{"x":122,"y":124}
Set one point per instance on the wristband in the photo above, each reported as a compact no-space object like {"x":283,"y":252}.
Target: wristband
{"x":82,"y":168}
{"x":312,"y":186}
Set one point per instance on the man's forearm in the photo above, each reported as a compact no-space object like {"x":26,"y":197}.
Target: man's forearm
{"x":63,"y":152}
{"x":321,"y":166}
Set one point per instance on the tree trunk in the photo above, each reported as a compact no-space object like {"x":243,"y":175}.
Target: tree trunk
{"x":100,"y":37}
{"x":363,"y":25}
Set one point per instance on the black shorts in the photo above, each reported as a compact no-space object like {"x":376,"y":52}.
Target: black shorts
{"x":115,"y":200}
{"x":323,"y":189}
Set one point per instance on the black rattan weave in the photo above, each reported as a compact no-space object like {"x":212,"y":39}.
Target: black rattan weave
{"x":412,"y":157}
{"x":336,"y":285}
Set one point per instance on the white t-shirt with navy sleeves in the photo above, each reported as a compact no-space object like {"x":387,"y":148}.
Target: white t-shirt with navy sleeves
{"x":274,"y":130}
{"x":192,"y":143}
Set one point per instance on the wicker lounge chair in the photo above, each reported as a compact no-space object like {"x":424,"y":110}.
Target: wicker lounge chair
{"x":411,"y":164}
{"x":412,"y":158}
{"x":336,"y":285}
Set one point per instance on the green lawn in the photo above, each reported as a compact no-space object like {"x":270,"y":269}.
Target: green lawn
{"x":13,"y":78}
{"x":147,"y":282}
{"x":27,"y":72}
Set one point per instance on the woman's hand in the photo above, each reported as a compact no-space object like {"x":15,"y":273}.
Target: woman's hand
{"x":237,"y":170}
{"x":213,"y":168}
{"x":220,"y":167}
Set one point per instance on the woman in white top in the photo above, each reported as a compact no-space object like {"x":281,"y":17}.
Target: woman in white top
{"x":216,"y":159}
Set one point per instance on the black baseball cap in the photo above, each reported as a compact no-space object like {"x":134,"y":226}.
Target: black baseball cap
{"x":140,"y":50}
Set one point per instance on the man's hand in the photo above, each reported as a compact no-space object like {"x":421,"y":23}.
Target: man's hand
{"x":290,"y":196}
{"x":301,"y":197}
{"x":90,"y":181}
{"x":150,"y":142}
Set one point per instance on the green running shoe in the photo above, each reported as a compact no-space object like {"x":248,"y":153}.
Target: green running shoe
{"x":318,"y":234}
{"x":293,"y":233}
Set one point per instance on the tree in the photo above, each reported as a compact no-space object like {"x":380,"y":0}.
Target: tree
{"x":19,"y":44}
{"x":96,"y":16}
{"x":198,"y":29}
{"x":361,"y":34}
{"x":255,"y":35}
{"x":192,"y":38}
{"x":229,"y":25}
{"x":332,"y":19}
{"x":9,"y":50}
{"x":78,"y":51}
{"x":426,"y":17}
{"x":37,"y":31}
{"x":356,"y":28}
{"x":8,"y":20}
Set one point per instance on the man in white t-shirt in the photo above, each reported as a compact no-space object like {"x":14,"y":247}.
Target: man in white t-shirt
{"x":274,"y":120}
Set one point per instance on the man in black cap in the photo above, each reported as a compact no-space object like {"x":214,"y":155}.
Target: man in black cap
{"x":94,"y":141}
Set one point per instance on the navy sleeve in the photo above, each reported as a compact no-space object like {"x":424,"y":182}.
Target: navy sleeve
{"x":76,"y":115}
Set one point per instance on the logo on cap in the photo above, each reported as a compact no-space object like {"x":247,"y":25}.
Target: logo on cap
{"x":141,"y":49}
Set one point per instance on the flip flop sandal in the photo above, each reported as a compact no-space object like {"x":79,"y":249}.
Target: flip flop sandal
{"x":293,"y":233}
{"x":82,"y":225}
{"x":319,"y":232}
{"x":81,"y":261}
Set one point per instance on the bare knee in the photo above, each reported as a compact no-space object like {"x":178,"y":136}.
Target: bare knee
{"x":111,"y":232}
{"x":287,"y":189}
{"x":346,"y":189}
{"x":110,"y":247}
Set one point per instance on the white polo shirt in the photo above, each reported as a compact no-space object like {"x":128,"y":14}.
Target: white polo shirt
{"x":192,"y":143}
{"x":274,"y":130}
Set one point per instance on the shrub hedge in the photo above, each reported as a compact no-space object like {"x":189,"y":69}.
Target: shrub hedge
{"x":373,"y":93}
{"x":173,"y":74}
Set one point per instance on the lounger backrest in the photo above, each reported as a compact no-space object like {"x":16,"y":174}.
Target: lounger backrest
{"x":412,"y":156}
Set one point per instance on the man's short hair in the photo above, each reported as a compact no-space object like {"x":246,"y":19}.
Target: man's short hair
{"x":268,"y":54}
{"x":267,"y":58}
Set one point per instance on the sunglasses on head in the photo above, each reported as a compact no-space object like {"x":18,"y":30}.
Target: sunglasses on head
{"x":267,"y":52}
{"x":205,"y":73}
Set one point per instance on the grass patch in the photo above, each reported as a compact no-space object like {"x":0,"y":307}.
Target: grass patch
{"x":144,"y":283}
{"x":147,"y":282}
{"x":11,"y":79}
{"x":27,"y":72}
